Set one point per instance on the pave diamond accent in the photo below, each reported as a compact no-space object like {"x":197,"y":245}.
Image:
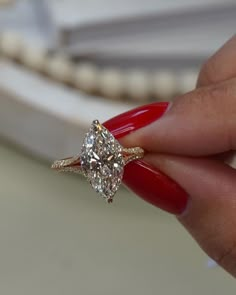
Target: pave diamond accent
{"x":102,"y":161}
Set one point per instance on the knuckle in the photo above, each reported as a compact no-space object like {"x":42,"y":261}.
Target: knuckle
{"x":220,"y":93}
{"x":218,"y":103}
{"x":211,"y":98}
{"x":207,"y":73}
{"x":222,"y":97}
{"x":211,"y":71}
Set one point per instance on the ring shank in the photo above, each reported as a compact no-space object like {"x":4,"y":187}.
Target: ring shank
{"x":131,"y":154}
{"x":73,"y":164}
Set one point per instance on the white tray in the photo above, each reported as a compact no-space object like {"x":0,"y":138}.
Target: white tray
{"x":45,"y":117}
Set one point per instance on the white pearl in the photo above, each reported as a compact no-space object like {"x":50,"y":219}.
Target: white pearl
{"x":137,"y":85}
{"x":60,"y":68}
{"x":85,"y":77}
{"x":187,"y":80}
{"x":10,"y":44}
{"x":164,"y":85}
{"x":34,"y":57}
{"x":111,"y":83}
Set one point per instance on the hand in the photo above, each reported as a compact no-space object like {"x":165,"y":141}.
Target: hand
{"x":188,"y":143}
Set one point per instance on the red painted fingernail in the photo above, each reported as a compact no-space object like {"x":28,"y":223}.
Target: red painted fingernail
{"x":155,"y":187}
{"x":130,"y":121}
{"x":143,"y":179}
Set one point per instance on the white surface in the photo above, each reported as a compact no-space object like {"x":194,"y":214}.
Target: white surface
{"x":58,"y":238}
{"x":186,"y":36}
{"x":151,"y":29}
{"x":29,"y":18}
{"x":70,"y":13}
{"x":125,"y":29}
{"x":32,"y":89}
{"x":46,"y":117}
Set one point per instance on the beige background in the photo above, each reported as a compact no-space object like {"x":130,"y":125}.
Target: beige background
{"x":57,"y":237}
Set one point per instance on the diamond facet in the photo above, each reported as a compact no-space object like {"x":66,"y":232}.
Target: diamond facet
{"x":102,"y":161}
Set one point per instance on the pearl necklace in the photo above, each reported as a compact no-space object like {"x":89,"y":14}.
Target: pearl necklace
{"x":113,"y":83}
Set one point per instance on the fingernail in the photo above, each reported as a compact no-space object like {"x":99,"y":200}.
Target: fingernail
{"x":155,"y":187}
{"x":146,"y":181}
{"x":130,"y":121}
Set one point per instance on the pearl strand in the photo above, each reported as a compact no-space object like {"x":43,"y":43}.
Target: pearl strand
{"x":113,"y":83}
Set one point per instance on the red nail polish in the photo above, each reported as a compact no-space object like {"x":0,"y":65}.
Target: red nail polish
{"x":130,"y":121}
{"x":155,"y":187}
{"x":143,"y":179}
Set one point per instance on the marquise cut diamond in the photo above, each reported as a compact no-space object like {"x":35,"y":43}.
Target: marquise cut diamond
{"x":102,"y":161}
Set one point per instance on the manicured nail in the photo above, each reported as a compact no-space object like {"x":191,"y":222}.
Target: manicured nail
{"x":155,"y":187}
{"x":146,"y":181}
{"x":130,"y":121}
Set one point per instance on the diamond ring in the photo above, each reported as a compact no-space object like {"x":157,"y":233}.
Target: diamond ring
{"x":101,"y":161}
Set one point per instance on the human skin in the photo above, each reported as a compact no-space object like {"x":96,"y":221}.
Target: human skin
{"x":188,"y":144}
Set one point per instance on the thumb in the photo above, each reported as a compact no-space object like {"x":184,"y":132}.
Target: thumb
{"x":199,"y":123}
{"x":210,"y":213}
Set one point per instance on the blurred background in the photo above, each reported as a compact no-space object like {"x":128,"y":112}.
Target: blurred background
{"x":64,"y":63}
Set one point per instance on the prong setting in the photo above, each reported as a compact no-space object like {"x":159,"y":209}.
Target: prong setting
{"x":101,"y":161}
